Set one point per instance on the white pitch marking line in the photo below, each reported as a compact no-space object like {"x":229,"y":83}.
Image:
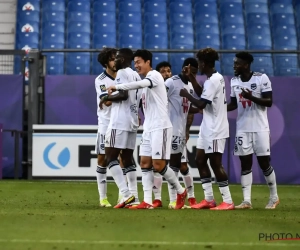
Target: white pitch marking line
{"x":270,"y":244}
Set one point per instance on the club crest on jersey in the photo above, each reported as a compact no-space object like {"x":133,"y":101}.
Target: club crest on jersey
{"x":174,"y":146}
{"x":191,"y":91}
{"x":253,"y":86}
{"x":102,"y":146}
{"x":167,"y":88}
{"x":102,"y":87}
{"x":118,"y":80}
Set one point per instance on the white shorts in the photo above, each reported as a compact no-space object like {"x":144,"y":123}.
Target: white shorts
{"x":247,"y":143}
{"x":115,"y":138}
{"x":184,"y":157}
{"x":157,"y":144}
{"x":177,"y":144}
{"x":100,"y":141}
{"x":211,"y":146}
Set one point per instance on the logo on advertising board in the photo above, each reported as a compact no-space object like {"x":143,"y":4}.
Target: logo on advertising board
{"x":62,"y":159}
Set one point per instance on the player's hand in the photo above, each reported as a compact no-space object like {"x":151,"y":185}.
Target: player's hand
{"x":184,"y":93}
{"x":111,"y":89}
{"x":186,"y":70}
{"x":102,"y":101}
{"x":246,"y":93}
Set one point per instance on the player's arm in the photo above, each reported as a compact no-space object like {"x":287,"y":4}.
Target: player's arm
{"x":194,"y":110}
{"x":146,"y":82}
{"x":266,"y":99}
{"x":189,"y":122}
{"x":233,"y":104}
{"x":197,"y":87}
{"x":201,"y":104}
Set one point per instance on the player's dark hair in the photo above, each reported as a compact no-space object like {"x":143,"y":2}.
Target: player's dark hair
{"x":208,"y":55}
{"x":105,"y":56}
{"x":163,"y":65}
{"x":192,"y":61}
{"x":245,"y":56}
{"x":144,"y":54}
{"x":127,"y":54}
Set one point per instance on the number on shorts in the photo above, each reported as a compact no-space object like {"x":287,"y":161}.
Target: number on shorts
{"x":176,"y":140}
{"x":239,"y":140}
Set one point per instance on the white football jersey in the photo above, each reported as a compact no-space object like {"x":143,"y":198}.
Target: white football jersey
{"x":178,"y":106}
{"x":251,"y":116}
{"x":102,"y":82}
{"x":215,"y":122}
{"x":124,"y":114}
{"x":155,"y":103}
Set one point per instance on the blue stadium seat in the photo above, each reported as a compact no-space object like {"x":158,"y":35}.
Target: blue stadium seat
{"x":288,"y":30}
{"x":230,"y":1}
{"x":82,"y":69}
{"x":180,"y":18}
{"x":155,"y":41}
{"x":287,"y":71}
{"x":278,"y":19}
{"x":55,"y":58}
{"x":263,"y":63}
{"x":54,"y":5}
{"x":297,"y":14}
{"x":234,"y":18}
{"x":156,"y":28}
{"x":180,"y":7}
{"x":130,"y":6}
{"x":82,"y":16}
{"x":78,"y":40}
{"x":28,"y":16}
{"x":155,"y":6}
{"x":211,"y":28}
{"x":281,"y":8}
{"x":281,"y":1}
{"x":227,"y":64}
{"x":256,"y":8}
{"x":255,"y":1}
{"x":258,"y":29}
{"x":79,"y":27}
{"x":120,"y":1}
{"x":104,"y":6}
{"x":155,"y":17}
{"x":261,"y":42}
{"x":208,"y":40}
{"x":182,"y":41}
{"x":285,"y":42}
{"x":159,"y":57}
{"x":130,"y":27}
{"x":54,"y":69}
{"x":79,"y":6}
{"x":130,"y":17}
{"x":97,"y":68}
{"x":131,"y":40}
{"x":101,"y":40}
{"x":206,"y":7}
{"x":28,"y":27}
{"x":146,"y":1}
{"x":184,"y":28}
{"x":104,"y":17}
{"x":53,"y":40}
{"x":104,"y":28}
{"x":234,"y":42}
{"x":176,"y":61}
{"x":53,"y":16}
{"x":231,"y":7}
{"x":238,"y":29}
{"x":257,"y":18}
{"x":26,"y":5}
{"x":286,"y":64}
{"x":206,"y":18}
{"x":52,"y":27}
{"x":30,"y":39}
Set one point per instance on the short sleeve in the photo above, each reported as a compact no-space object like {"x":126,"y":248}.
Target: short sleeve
{"x":209,"y":91}
{"x":121,"y":77}
{"x":266,"y":85}
{"x":154,"y":77}
{"x":169,"y":86}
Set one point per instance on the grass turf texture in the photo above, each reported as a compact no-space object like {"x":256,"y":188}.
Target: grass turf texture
{"x":66,"y":215}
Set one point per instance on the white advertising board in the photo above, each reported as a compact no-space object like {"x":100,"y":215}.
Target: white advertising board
{"x":69,"y":151}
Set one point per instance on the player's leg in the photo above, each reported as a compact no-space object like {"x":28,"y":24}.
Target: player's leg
{"x":157,"y":185}
{"x":113,"y":146}
{"x":262,"y":149}
{"x":101,"y":170}
{"x":215,"y":159}
{"x":161,"y":147}
{"x":187,"y":178}
{"x":174,"y":164}
{"x":244,"y":149}
{"x":124,"y":175}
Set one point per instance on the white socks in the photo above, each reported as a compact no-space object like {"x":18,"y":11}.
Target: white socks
{"x":132,"y":181}
{"x":271,"y":181}
{"x":207,"y":189}
{"x":189,"y":183}
{"x":224,"y":189}
{"x":147,"y":181}
{"x":157,"y":184}
{"x":171,"y":178}
{"x":246,"y":182}
{"x":101,"y":182}
{"x":171,"y":189}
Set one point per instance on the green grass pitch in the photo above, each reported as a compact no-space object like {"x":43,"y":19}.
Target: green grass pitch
{"x":46,"y":215}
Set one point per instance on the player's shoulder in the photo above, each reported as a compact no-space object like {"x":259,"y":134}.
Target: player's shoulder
{"x":101,"y":77}
{"x":258,"y":74}
{"x":175,"y":77}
